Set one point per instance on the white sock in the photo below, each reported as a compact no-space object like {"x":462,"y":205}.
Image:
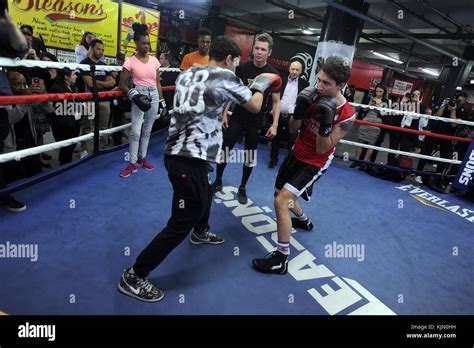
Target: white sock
{"x":302,"y":217}
{"x":283,"y":247}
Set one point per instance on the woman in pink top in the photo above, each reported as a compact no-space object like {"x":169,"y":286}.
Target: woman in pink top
{"x":146,"y":78}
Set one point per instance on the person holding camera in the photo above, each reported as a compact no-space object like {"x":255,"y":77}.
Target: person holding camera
{"x":452,"y":108}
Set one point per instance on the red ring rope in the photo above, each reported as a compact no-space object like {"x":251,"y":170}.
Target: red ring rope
{"x":41,"y":98}
{"x":408,"y":130}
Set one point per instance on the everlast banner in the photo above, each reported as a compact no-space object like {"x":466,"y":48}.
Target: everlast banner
{"x":285,"y":51}
{"x":465,"y":174}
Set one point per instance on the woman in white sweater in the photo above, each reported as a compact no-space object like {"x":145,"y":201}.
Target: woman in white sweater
{"x":83,"y":47}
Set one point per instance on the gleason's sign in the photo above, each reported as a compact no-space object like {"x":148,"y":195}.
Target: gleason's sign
{"x":68,"y":10}
{"x":61,"y":23}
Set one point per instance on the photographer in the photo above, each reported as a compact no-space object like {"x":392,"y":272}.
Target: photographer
{"x":37,"y":46}
{"x":450,"y":108}
{"x":12,"y":45}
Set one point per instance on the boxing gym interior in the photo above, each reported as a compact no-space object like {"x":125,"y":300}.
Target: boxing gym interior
{"x":393,"y":214}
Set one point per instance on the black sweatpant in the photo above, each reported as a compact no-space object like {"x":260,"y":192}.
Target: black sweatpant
{"x":4,"y":130}
{"x":4,"y":127}
{"x":283,"y":133}
{"x":429,"y":145}
{"x":63,"y":132}
{"x":31,"y":164}
{"x":402,"y":142}
{"x":192,"y":199}
{"x":116,"y":113}
{"x":237,"y":127}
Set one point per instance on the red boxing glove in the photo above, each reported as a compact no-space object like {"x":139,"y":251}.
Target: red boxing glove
{"x":264,"y":82}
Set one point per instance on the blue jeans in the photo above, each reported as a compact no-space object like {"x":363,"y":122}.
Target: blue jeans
{"x":139,"y":145}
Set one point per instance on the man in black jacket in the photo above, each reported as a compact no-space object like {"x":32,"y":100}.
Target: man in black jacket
{"x":290,"y":89}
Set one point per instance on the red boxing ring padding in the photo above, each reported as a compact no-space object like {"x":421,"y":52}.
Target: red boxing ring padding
{"x":42,"y":98}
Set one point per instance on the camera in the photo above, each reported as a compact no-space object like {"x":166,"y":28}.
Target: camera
{"x":453,"y":100}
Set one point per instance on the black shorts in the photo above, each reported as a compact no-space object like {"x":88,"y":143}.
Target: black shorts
{"x":298,"y":177}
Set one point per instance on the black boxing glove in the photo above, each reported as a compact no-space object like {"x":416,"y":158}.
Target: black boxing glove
{"x":326,"y":110}
{"x":266,"y":82}
{"x":142,"y":101}
{"x":304,"y":99}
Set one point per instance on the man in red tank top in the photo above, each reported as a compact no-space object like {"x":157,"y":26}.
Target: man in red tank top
{"x":323,"y":117}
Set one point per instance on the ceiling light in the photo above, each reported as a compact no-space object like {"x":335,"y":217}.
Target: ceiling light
{"x":306,"y":31}
{"x":314,"y":29}
{"x":430,"y":71}
{"x":472,"y":82}
{"x":387,"y":57}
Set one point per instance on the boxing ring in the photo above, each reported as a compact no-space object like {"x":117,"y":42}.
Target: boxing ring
{"x":378,"y":247}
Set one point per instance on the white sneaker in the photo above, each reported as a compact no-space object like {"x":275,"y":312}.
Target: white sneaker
{"x":84,"y":154}
{"x":419,"y":180}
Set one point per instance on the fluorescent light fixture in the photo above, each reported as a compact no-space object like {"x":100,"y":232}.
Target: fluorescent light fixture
{"x":387,"y":57}
{"x":314,"y":29}
{"x":472,"y":82}
{"x":306,"y":31}
{"x":430,"y":71}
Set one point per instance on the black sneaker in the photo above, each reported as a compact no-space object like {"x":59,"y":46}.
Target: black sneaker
{"x":272,"y":163}
{"x":242,"y":195}
{"x":304,"y":225}
{"x":207,"y":237}
{"x":140,"y":288}
{"x":355,"y":164}
{"x":12,"y":204}
{"x":277,"y":263}
{"x":217,"y":186}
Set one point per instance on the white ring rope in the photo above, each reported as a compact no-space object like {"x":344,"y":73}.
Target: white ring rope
{"x":438,"y":159}
{"x":17,"y":155}
{"x":8,"y":62}
{"x":409,"y":113}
